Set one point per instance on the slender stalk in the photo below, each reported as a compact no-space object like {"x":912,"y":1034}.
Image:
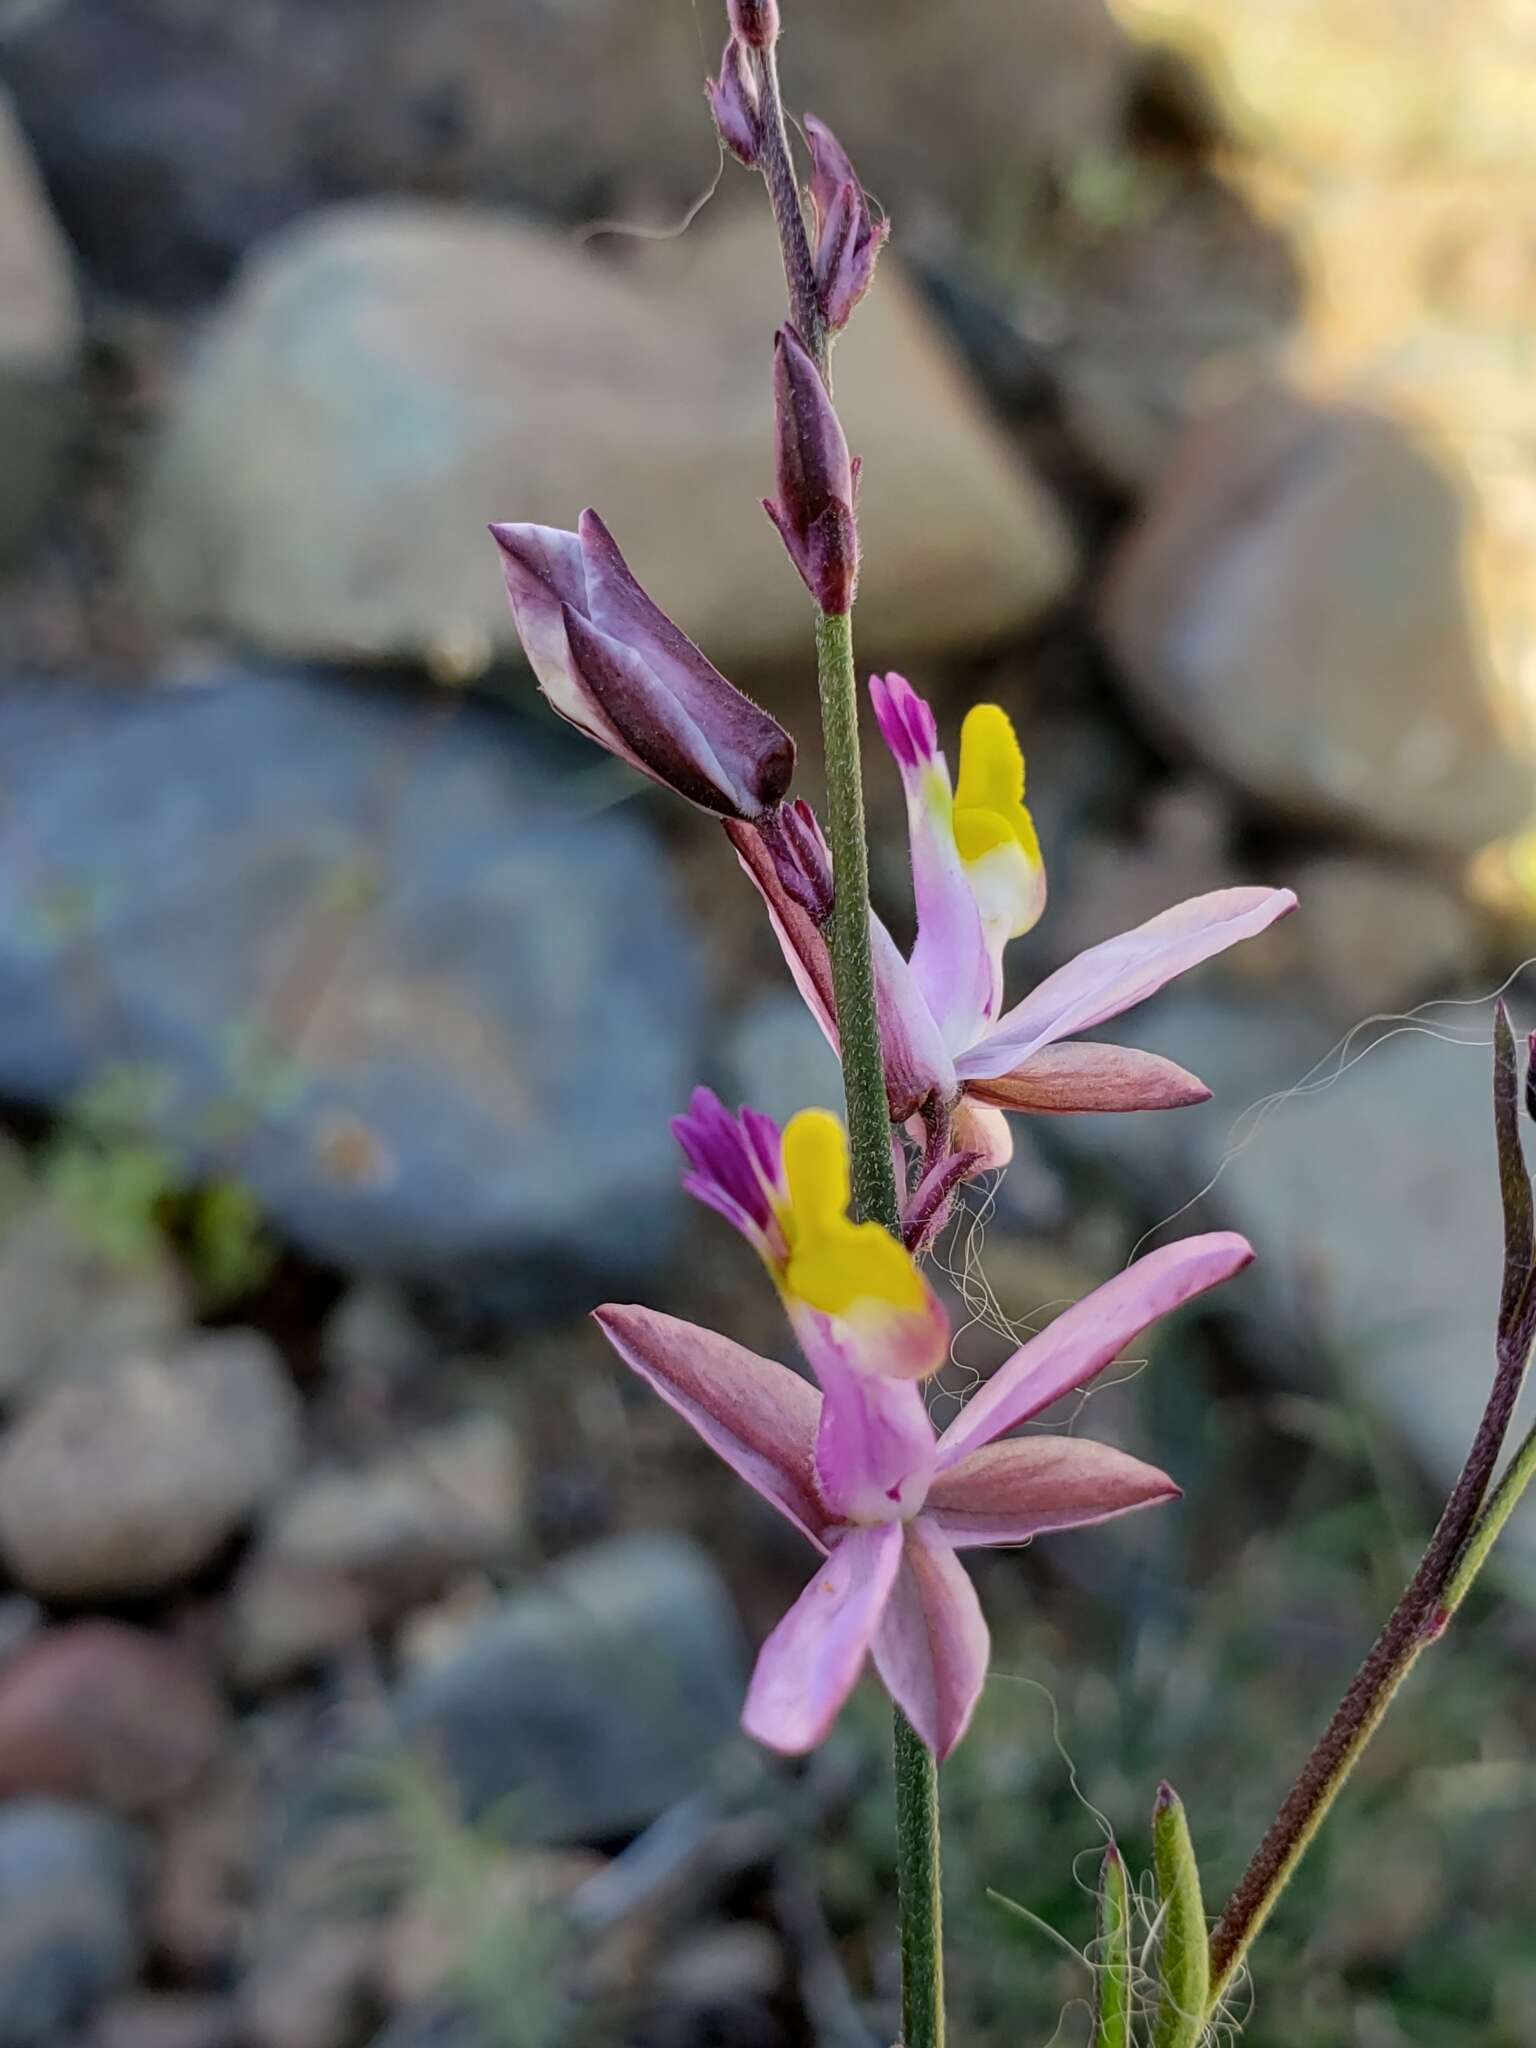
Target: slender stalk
{"x":919,"y":1895}
{"x":778,"y":167}
{"x":874,"y":1186}
{"x":1462,"y":1539}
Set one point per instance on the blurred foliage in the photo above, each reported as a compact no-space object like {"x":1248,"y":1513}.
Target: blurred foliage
{"x":128,"y":1193}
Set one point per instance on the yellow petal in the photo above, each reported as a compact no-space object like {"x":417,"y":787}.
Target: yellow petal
{"x":989,"y":798}
{"x":834,"y":1263}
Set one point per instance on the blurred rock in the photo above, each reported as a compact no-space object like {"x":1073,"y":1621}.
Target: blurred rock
{"x":1373,"y":936}
{"x":20,"y":1620}
{"x":432,"y":1003}
{"x":1181,"y":849}
{"x":67,"y":1308}
{"x":776,"y":1057}
{"x":350,"y":1549}
{"x":198,"y":1907}
{"x":166,"y":2019}
{"x":318,"y":1991}
{"x":1291,"y":606}
{"x":131,"y":1483}
{"x":67,"y":1927}
{"x":374,"y":1340}
{"x":386,"y":379}
{"x":113,"y":1716}
{"x":221,"y":123}
{"x":40,"y":341}
{"x":594,"y":1699}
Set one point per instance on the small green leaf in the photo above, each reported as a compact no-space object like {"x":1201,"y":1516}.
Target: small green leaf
{"x":1112,"y":1970}
{"x":1184,"y":1966}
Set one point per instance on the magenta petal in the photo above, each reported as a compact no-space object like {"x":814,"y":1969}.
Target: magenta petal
{"x":1107,"y":979}
{"x":1072,"y":1080}
{"x":931,"y":1647}
{"x":811,"y":1662}
{"x":1007,"y":1493}
{"x":761,"y":1417}
{"x":1090,"y":1335}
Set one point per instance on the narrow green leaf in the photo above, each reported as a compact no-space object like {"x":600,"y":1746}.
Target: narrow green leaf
{"x":1184,"y":1967}
{"x":1112,"y":1970}
{"x":1514,"y":1179}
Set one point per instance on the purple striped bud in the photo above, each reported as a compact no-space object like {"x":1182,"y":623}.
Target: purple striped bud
{"x":615,"y":665}
{"x":801,"y":858}
{"x":848,"y":240}
{"x":816,"y":477}
{"x":733,"y":100}
{"x":755,"y":21}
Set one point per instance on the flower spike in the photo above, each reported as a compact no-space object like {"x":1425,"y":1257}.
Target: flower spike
{"x":613,"y":663}
{"x":848,"y":240}
{"x":814,"y":511}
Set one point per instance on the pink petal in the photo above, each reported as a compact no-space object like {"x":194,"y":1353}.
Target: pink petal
{"x":799,"y":936}
{"x":874,"y":1447}
{"x":811,"y":1662}
{"x":983,"y":1131}
{"x":1007,"y":1493}
{"x":1090,"y":1335}
{"x":1112,"y":977}
{"x":761,"y":1417}
{"x":874,"y":1338}
{"x":931,"y":1647}
{"x":1071,"y":1079}
{"x":951,"y":962}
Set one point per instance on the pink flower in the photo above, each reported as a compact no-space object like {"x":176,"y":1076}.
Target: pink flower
{"x":613,"y":663}
{"x":856,"y":1466}
{"x":980,"y":881}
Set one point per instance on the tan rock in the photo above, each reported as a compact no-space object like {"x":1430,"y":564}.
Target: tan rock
{"x":40,"y":338}
{"x":387,"y":378}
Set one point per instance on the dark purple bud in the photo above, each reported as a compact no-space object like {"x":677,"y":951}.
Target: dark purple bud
{"x":1530,"y":1076}
{"x":816,"y":478}
{"x":733,"y":100}
{"x":801,"y":858}
{"x":928,"y":1209}
{"x":755,"y":21}
{"x":848,"y":239}
{"x":613,"y":663}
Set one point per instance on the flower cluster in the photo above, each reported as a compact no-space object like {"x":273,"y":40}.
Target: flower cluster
{"x":851,"y":1456}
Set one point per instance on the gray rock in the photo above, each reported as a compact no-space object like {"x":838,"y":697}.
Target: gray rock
{"x":67,"y":1308}
{"x":435,"y":1008}
{"x":167,"y":2019}
{"x":1365,"y":1180}
{"x":1291,"y":606}
{"x":351,"y":1548}
{"x":130,"y":1483}
{"x":173,"y":135}
{"x":776,"y":1057}
{"x":581,"y":1707}
{"x":40,"y":341}
{"x":384,"y":379}
{"x":593,"y":1700}
{"x":68,"y":1936}
{"x":1374,"y":936}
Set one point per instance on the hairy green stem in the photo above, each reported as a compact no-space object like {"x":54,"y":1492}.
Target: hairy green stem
{"x":874,"y":1192}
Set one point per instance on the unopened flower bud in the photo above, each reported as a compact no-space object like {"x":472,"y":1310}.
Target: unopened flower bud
{"x":755,"y":21}
{"x":1530,"y":1077}
{"x":848,"y":239}
{"x":801,"y":858}
{"x":733,"y":100}
{"x":817,"y":478}
{"x":613,"y":663}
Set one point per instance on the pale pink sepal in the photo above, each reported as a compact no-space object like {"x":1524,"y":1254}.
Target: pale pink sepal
{"x":931,"y":1646}
{"x":1007,"y":1493}
{"x":758,"y":1415}
{"x":1075,"y":1080}
{"x":952,"y":963}
{"x":1121,"y":972}
{"x":811,"y":1662}
{"x":1089,"y":1336}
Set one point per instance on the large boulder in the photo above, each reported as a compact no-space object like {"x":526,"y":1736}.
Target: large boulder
{"x":1292,"y":607}
{"x":384,"y":962}
{"x":174,"y":132}
{"x":387,"y":378}
{"x":40,"y":340}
